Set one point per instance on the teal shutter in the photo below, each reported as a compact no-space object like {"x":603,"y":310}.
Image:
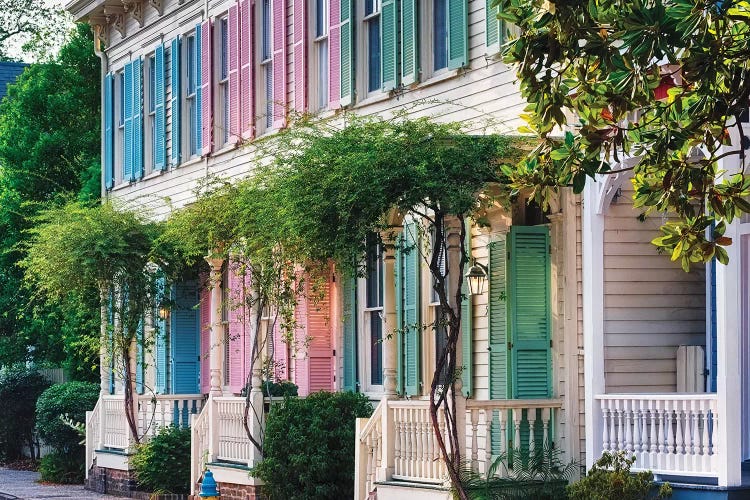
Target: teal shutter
{"x":109,"y":131}
{"x":137,"y":172}
{"x":174,"y":54}
{"x":139,"y":358}
{"x":160,"y":116}
{"x":498,"y":347}
{"x":388,"y":52}
{"x":411,"y":327}
{"x":467,"y":345}
{"x":529,"y":312}
{"x":399,"y":281}
{"x":127,"y":168}
{"x":198,"y":131}
{"x":458,"y":42}
{"x":185,"y":338}
{"x":409,"y":42}
{"x":350,"y":381}
{"x":347,"y":52}
{"x":111,"y":341}
{"x":160,"y":340}
{"x":494,"y":28}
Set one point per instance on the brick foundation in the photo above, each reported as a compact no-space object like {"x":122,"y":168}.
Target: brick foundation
{"x":230,"y":491}
{"x":122,"y":483}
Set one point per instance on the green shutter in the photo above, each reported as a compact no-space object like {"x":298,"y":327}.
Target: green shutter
{"x":388,"y":54}
{"x":110,"y":340}
{"x":498,"y":380}
{"x":347,"y":53}
{"x":350,"y":333}
{"x":467,"y":354}
{"x":398,"y":280}
{"x":409,"y":42}
{"x":410,"y":324}
{"x":493,"y":28}
{"x":458,"y":43}
{"x":529,"y":311}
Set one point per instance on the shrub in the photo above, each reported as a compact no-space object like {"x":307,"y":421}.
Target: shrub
{"x":19,"y":389}
{"x":308,"y":452}
{"x":63,"y":468}
{"x":163,"y":463}
{"x":71,"y":400}
{"x":610,"y":477}
{"x":279,"y":389}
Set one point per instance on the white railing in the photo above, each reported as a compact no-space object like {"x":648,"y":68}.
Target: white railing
{"x":666,"y":433}
{"x":416,"y":453}
{"x":92,"y":434}
{"x":234,"y":445}
{"x":155,"y":412}
{"x":198,"y":446}
{"x":367,"y":455}
{"x":114,"y":428}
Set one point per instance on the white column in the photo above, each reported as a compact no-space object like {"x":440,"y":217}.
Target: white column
{"x":216,"y":350}
{"x":389,"y":311}
{"x":593,"y":319}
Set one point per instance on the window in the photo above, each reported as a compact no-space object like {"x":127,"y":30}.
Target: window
{"x":191,"y":101}
{"x":439,"y":35}
{"x":372,"y":40}
{"x":320,"y":56}
{"x":266,"y":64}
{"x":374,"y":308}
{"x":119,"y":125}
{"x":223,"y":75}
{"x":439,"y":326}
{"x":151,"y":114}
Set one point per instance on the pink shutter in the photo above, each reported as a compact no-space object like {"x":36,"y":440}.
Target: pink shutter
{"x":237,"y":328}
{"x":205,"y":324}
{"x":233,"y":20}
{"x":334,"y":54}
{"x":207,"y":119}
{"x":279,"y":63}
{"x":280,"y":353}
{"x":247,"y":108}
{"x":248,"y":337}
{"x":320,"y":347}
{"x":300,"y":59}
{"x":300,"y":375}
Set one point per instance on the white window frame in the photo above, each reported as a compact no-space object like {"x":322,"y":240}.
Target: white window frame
{"x":365,"y":317}
{"x":221,"y":80}
{"x":319,"y":56}
{"x":264,"y":118}
{"x":189,"y":100}
{"x":362,"y":35}
{"x":119,"y":117}
{"x":427,"y":41}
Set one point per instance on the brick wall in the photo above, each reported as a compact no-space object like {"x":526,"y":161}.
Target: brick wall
{"x":122,"y":483}
{"x":231,"y":491}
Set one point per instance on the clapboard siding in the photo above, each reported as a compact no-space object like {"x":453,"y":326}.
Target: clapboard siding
{"x":651,"y":306}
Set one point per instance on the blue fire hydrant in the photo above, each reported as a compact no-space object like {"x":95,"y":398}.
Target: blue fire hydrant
{"x":208,"y":487}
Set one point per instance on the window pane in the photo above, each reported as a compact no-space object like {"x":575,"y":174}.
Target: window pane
{"x":121,"y":111}
{"x":374,"y":272}
{"x":322,"y":74}
{"x":151,"y":84}
{"x":370,"y":6}
{"x":440,"y":36}
{"x":266,"y":30}
{"x":320,"y":18}
{"x":269,"y":95}
{"x":373,"y":41}
{"x":376,"y":349}
{"x":191,"y":64}
{"x":224,"y":48}
{"x":441,"y":342}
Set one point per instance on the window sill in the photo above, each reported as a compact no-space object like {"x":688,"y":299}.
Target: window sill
{"x":154,"y":174}
{"x":121,"y":186}
{"x":439,"y":78}
{"x":227,"y":147}
{"x":192,"y":161}
{"x":373,"y":99}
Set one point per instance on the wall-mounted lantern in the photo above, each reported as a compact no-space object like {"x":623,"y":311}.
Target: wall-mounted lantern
{"x":476,"y":276}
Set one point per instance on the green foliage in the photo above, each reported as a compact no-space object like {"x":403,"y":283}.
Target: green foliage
{"x":163,"y":463}
{"x":63,"y":468}
{"x":610,"y":477}
{"x":283,"y":388}
{"x":70,"y":400}
{"x":308,"y":452}
{"x":19,"y":389}
{"x":521,"y":474}
{"x":602,"y":62}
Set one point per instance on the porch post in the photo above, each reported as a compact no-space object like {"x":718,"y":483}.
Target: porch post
{"x":256,"y":394}
{"x":216,"y":351}
{"x":593,"y":319}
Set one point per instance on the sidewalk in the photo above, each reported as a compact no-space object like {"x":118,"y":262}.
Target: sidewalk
{"x":15,"y":484}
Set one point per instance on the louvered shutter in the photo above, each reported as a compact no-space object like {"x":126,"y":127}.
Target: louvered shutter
{"x":349,"y":314}
{"x":300,"y":59}
{"x":298,"y":370}
{"x":529,"y":311}
{"x":247,"y":85}
{"x":712,"y":353}
{"x":176,"y":102}
{"x":110,"y":341}
{"x":320,"y":348}
{"x":280,"y":352}
{"x":139,"y":358}
{"x":493,"y":28}
{"x":109,"y":131}
{"x":160,"y":116}
{"x":137,"y":172}
{"x":205,"y":336}
{"x":334,"y":53}
{"x":185,"y":336}
{"x":498,"y":347}
{"x":388,"y":46}
{"x":458,"y":43}
{"x":235,"y":96}
{"x":467,"y":335}
{"x":409,"y":42}
{"x":346,"y":52}
{"x":279,"y":63}
{"x":410,"y":302}
{"x":127,"y":164}
{"x":207,"y":119}
{"x":160,"y":340}
{"x":197,"y":132}
{"x":237,"y":328}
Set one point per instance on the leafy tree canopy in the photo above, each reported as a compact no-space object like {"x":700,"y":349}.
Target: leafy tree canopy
{"x":609,"y":63}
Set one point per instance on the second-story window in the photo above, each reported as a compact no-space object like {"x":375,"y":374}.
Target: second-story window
{"x":372,"y":38}
{"x":320,"y":55}
{"x":191,"y":73}
{"x":151,"y":116}
{"x":223,"y":75}
{"x":439,"y":35}
{"x":374,"y":308}
{"x":266,"y":64}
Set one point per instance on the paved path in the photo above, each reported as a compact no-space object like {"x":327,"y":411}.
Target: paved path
{"x":15,"y":484}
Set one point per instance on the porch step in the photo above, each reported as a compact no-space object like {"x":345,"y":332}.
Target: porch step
{"x":401,"y":490}
{"x":687,"y":491}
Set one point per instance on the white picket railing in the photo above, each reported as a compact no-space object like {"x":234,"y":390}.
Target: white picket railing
{"x":367,"y":455}
{"x":92,"y":434}
{"x":198,"y":445}
{"x":234,"y":445}
{"x":114,"y":426}
{"x":155,"y":412}
{"x":416,"y":453}
{"x":666,"y":433}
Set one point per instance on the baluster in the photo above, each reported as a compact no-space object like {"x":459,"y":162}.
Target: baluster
{"x":653,"y":441}
{"x":517,"y":416}
{"x":474,"y":418}
{"x":502,"y":421}
{"x":488,"y":423}
{"x":397,"y":442}
{"x":605,"y":427}
{"x":531,"y":417}
{"x":426,"y":448}
{"x":628,"y":406}
{"x":413,"y":441}
{"x":404,"y":442}
{"x":660,"y":431}
{"x":705,"y":460}
{"x":546,"y":412}
{"x":637,"y":436}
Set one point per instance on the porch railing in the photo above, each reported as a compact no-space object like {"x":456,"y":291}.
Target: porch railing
{"x":666,"y":433}
{"x":114,"y":426}
{"x":234,"y":445}
{"x":198,"y":445}
{"x":92,"y":434}
{"x":398,"y":441}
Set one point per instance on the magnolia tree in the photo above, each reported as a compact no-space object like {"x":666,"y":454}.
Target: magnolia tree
{"x":663,"y":82}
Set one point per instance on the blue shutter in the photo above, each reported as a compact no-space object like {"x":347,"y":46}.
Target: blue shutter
{"x":197,"y":131}
{"x":160,"y":124}
{"x":350,"y":333}
{"x":185,"y":338}
{"x":127,"y":164}
{"x":109,"y":131}
{"x":110,"y":341}
{"x":139,"y":359}
{"x":176,"y":102}
{"x":411,"y":327}
{"x":711,"y":354}
{"x":160,"y":340}
{"x":137,"y":172}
